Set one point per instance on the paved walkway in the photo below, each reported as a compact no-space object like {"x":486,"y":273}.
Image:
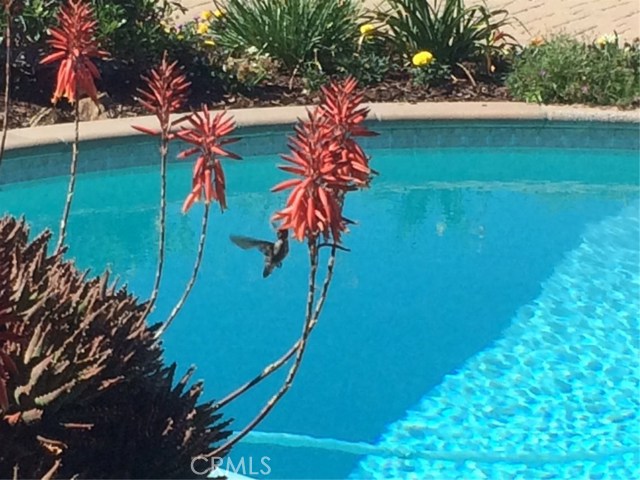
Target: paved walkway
{"x":584,"y":18}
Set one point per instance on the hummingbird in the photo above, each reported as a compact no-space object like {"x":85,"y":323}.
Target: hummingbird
{"x":274,"y":252}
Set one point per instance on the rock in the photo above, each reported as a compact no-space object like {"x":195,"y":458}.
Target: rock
{"x":89,"y":110}
{"x":46,"y":116}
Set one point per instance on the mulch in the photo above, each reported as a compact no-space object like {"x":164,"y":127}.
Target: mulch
{"x":282,"y":92}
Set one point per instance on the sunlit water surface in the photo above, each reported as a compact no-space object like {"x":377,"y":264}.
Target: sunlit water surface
{"x":481,"y":285}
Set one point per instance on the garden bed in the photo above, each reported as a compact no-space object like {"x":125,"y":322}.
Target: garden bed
{"x":272,"y":54}
{"x":394,"y":88}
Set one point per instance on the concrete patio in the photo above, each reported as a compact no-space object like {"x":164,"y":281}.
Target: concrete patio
{"x":583,"y":18}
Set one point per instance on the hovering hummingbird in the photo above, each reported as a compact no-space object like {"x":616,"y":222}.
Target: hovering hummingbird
{"x":274,"y":252}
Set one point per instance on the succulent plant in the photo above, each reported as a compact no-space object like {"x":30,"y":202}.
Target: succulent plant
{"x":83,"y":388}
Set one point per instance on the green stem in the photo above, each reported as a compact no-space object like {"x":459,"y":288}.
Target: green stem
{"x":164,"y":149}
{"x":7,"y":83}
{"x":194,"y":275}
{"x":306,"y":330}
{"x":294,"y":348}
{"x":72,"y":178}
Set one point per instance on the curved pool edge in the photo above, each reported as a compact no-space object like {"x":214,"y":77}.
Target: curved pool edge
{"x":380,"y":112}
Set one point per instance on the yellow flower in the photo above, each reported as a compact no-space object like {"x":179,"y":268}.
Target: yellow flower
{"x":536,"y":41}
{"x":166,"y":27}
{"x":209,"y":43}
{"x":218,"y":13}
{"x":367,"y":30}
{"x":202,"y":28}
{"x":603,"y":40}
{"x":422,"y":59}
{"x":206,"y":15}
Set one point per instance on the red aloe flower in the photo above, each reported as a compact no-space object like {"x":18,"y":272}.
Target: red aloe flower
{"x":207,"y":134}
{"x":341,"y":106}
{"x":313,"y":207}
{"x":329,"y":163}
{"x":75,"y":45}
{"x":167,"y":92}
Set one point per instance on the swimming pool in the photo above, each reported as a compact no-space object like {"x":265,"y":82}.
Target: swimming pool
{"x":484,"y":325}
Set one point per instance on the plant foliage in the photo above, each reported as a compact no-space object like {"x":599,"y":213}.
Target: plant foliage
{"x":75,"y":47}
{"x":84,"y":388}
{"x":293,"y":32}
{"x":565,"y":70}
{"x":124,"y":26}
{"x":132,"y":31}
{"x":452,"y":32}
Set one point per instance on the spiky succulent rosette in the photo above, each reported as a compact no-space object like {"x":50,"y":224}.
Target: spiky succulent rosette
{"x":8,"y":336}
{"x":88,"y":394}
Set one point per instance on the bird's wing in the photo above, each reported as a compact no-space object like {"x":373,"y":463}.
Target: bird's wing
{"x":248,"y":242}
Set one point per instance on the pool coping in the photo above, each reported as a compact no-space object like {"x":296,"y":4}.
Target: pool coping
{"x":380,"y":112}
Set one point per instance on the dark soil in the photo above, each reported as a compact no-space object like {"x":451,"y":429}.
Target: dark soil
{"x":32,"y":100}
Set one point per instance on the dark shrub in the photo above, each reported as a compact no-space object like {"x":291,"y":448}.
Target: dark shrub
{"x":134,"y":33}
{"x":85,"y":389}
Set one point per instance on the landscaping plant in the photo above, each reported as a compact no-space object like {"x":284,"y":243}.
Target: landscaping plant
{"x":208,"y":134}
{"x":372,"y":60}
{"x":83,"y":388}
{"x":426,"y":72}
{"x":35,"y":17}
{"x":292,"y":32}
{"x":328,"y":163}
{"x":565,"y":70}
{"x":167,"y":90}
{"x":75,"y":48}
{"x":450,"y":31}
{"x":8,"y":19}
{"x":248,"y":69}
{"x":135,"y":32}
{"x":130,"y":29}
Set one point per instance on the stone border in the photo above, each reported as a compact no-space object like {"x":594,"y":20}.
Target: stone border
{"x":381,"y":112}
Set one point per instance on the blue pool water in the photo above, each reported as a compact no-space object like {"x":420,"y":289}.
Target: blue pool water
{"x":484,"y":324}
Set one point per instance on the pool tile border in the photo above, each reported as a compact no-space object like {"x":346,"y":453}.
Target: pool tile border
{"x":380,"y":112}
{"x":265,"y":132}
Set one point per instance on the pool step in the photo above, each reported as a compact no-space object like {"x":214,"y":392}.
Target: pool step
{"x":562,"y":382}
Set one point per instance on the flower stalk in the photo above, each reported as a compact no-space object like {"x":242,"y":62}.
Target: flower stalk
{"x":74,"y":45}
{"x":8,"y":15}
{"x":330,"y":164}
{"x":299,"y":353}
{"x":72,"y":178}
{"x":276,"y":365}
{"x":167,"y":90}
{"x":208,"y":136}
{"x":194,"y":275}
